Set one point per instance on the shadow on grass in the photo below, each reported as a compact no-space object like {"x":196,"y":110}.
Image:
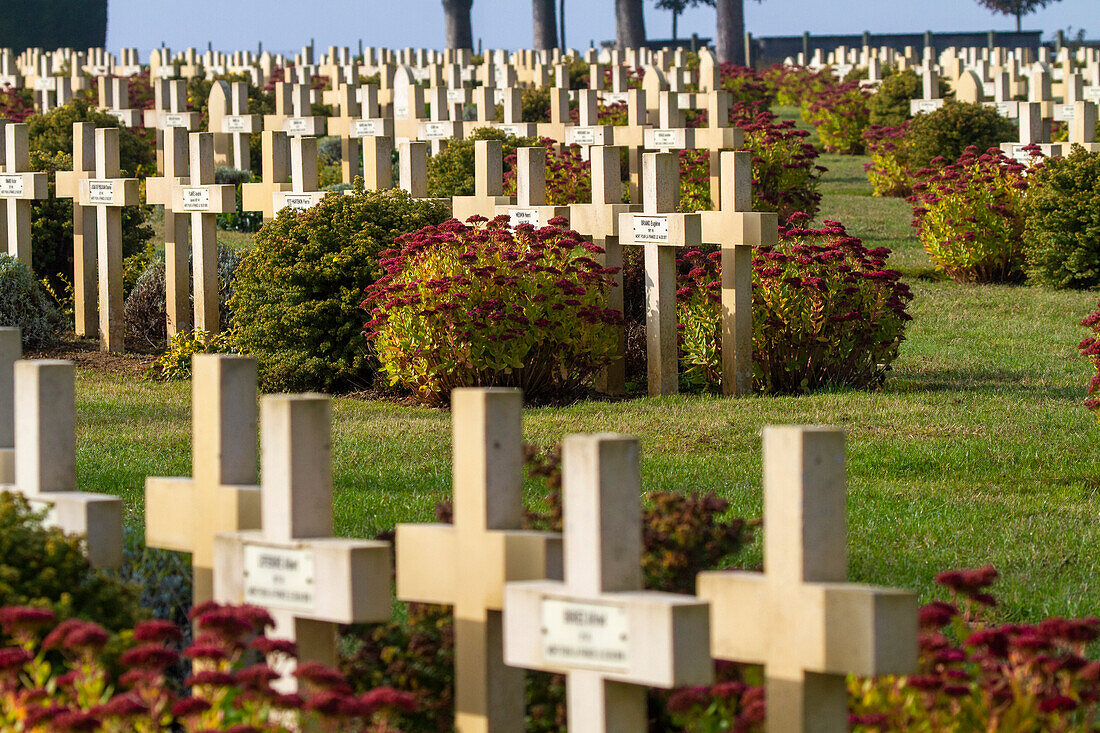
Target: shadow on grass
{"x":983,"y":381}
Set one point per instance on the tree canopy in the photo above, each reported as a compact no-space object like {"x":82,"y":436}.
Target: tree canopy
{"x":1017,"y":8}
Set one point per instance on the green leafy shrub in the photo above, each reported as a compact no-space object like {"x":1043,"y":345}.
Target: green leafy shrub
{"x":793,"y":84}
{"x":951,"y":129}
{"x":297,"y":292}
{"x":175,"y":363}
{"x":451,"y":172}
{"x":25,"y":303}
{"x":825,"y":313}
{"x":568,"y":176}
{"x":1062,"y":222}
{"x":480,"y":306}
{"x":44,"y":567}
{"x":969,"y":216}
{"x":840,"y":114}
{"x":889,"y":105}
{"x":746,"y":85}
{"x":888,"y":170}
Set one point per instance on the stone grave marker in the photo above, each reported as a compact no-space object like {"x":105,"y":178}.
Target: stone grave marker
{"x":275,"y":162}
{"x":412,"y":162}
{"x":599,"y":627}
{"x":161,"y":190}
{"x":800,"y":618}
{"x":671,"y":132}
{"x":108,"y":193}
{"x":231,"y":124}
{"x":488,"y":183}
{"x":378,"y":163}
{"x":438,"y":129}
{"x":737,"y":230}
{"x":588,"y":131}
{"x":84,"y":229}
{"x":204,"y":200}
{"x":351,"y":111}
{"x":114,"y":99}
{"x":11,"y":350}
{"x":969,"y":88}
{"x":559,"y":116}
{"x":304,"y":178}
{"x":632,"y":137}
{"x":18,"y":187}
{"x":660,"y":230}
{"x":512,"y":105}
{"x":466,"y":564}
{"x":1082,"y":128}
{"x":185,"y":514}
{"x":718,"y":136}
{"x":930,"y":99}
{"x":530,"y":207}
{"x":292,"y":112}
{"x":307,"y":579}
{"x":45,"y":459}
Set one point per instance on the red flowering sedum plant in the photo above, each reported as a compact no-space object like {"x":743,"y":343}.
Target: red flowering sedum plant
{"x":840,"y":114}
{"x":978,"y":675}
{"x":826,"y":312}
{"x":1090,"y":349}
{"x":485,"y":305}
{"x":56,"y":677}
{"x":888,"y":170}
{"x":969,"y":215}
{"x":568,"y":175}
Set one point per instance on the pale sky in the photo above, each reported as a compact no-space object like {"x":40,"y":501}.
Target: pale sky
{"x":286,"y":26}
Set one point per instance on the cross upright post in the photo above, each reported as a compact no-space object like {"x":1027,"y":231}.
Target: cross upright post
{"x":611,"y":638}
{"x":531,"y":207}
{"x":588,"y":131}
{"x":11,"y":351}
{"x":800,"y":618}
{"x":185,"y":514}
{"x":231,"y":124}
{"x":350,"y":111}
{"x":559,"y":116}
{"x":204,"y":200}
{"x":84,"y":228}
{"x":18,"y":187}
{"x":466,"y":564}
{"x":412,"y":162}
{"x":275,"y":159}
{"x":660,"y":230}
{"x":304,"y":178}
{"x":632,"y":136}
{"x":161,"y":190}
{"x":308,"y":580}
{"x":114,"y":99}
{"x":45,"y":459}
{"x":488,"y":183}
{"x":377,"y":162}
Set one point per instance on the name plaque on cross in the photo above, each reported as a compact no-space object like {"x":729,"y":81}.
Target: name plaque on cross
{"x":278,"y":577}
{"x":929,"y":105}
{"x":665,"y":139}
{"x":101,"y":192}
{"x":616,"y":97}
{"x":43,"y":84}
{"x":196,"y":199}
{"x":175,"y":120}
{"x":1067,"y":112}
{"x":1093,"y":93}
{"x":650,"y":228}
{"x":401,"y":111}
{"x":296,"y":126}
{"x":592,"y":635}
{"x":298,"y":202}
{"x":436,"y":130}
{"x":580,"y":136}
{"x":119,"y":114}
{"x":512,"y":130}
{"x":166,"y":72}
{"x":1005,"y":109}
{"x":366,"y":128}
{"x":524,"y":216}
{"x":11,"y":186}
{"x":456,"y":95}
{"x":237,"y":123}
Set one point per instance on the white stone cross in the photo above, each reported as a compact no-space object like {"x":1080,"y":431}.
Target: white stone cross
{"x":84,"y":229}
{"x":660,"y":230}
{"x":488,"y":183}
{"x":11,"y":350}
{"x":304,"y":178}
{"x":292,"y":112}
{"x":512,"y":105}
{"x":531,"y":207}
{"x":412,"y":162}
{"x":204,"y":200}
{"x":231,"y":124}
{"x":800,"y":618}
{"x":114,"y":99}
{"x":588,"y":131}
{"x":18,"y":187}
{"x":467,"y":564}
{"x":185,"y":514}
{"x":275,"y":162}
{"x":108,"y":194}
{"x":161,"y":190}
{"x":599,"y":627}
{"x":307,"y":579}
{"x":45,"y":459}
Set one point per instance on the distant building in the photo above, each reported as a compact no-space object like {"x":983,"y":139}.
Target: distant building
{"x":53,"y":24}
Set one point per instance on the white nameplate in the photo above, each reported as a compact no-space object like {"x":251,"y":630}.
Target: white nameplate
{"x":237,"y":123}
{"x":196,"y":199}
{"x":280,"y":578}
{"x":1092,"y":93}
{"x":122,"y":115}
{"x":166,"y":72}
{"x":101,"y":191}
{"x":650,"y":228}
{"x":176,"y":120}
{"x":401,"y":111}
{"x":298,"y":201}
{"x":365,"y":128}
{"x":1006,"y":109}
{"x":296,"y":126}
{"x":929,"y":105}
{"x":436,"y":130}
{"x":512,"y":130}
{"x":456,"y":95}
{"x":580,"y":135}
{"x":1067,"y":111}
{"x":98,"y":70}
{"x":44,"y":84}
{"x":524,"y":216}
{"x":588,"y":635}
{"x":666,"y":139}
{"x":11,"y":186}
{"x":616,"y":97}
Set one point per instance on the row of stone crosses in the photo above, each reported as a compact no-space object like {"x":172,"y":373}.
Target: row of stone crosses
{"x":570,"y":603}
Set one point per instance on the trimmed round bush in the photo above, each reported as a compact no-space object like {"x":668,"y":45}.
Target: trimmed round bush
{"x":839,"y":112}
{"x":889,"y":105}
{"x":488,"y":306}
{"x":451,"y":172}
{"x":826,"y":313}
{"x":25,"y":303}
{"x":951,"y":129}
{"x":1062,"y":223}
{"x":298,"y":291}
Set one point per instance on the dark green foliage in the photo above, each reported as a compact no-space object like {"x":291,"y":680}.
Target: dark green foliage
{"x":25,"y":303}
{"x":240,"y":220}
{"x":51,"y":146}
{"x":162,"y":578}
{"x":1062,"y":224}
{"x":298,"y":291}
{"x":948,"y":131}
{"x":42,"y":566}
{"x":451,"y":173}
{"x":53,"y":24}
{"x":890,"y":103}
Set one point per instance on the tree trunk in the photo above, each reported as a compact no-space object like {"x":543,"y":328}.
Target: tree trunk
{"x":730,"y":31}
{"x":675,"y":17}
{"x":459,"y":30}
{"x":545,"y":24}
{"x":1019,"y":16}
{"x":629,"y":23}
{"x":561,"y":21}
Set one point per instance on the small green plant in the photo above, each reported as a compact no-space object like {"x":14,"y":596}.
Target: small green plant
{"x":840,"y":115}
{"x":175,"y":363}
{"x":483,"y":305}
{"x":969,"y":216}
{"x":951,"y":129}
{"x":1062,"y":222}
{"x":451,"y":173}
{"x":25,"y":303}
{"x":826,"y":312}
{"x":888,"y":171}
{"x":889,"y":105}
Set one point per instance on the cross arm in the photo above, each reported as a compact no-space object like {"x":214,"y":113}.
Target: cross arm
{"x":67,"y":183}
{"x":169,"y":512}
{"x":109,"y":192}
{"x":599,"y":220}
{"x":654,"y":639}
{"x":24,"y":186}
{"x":258,"y":196}
{"x":159,"y":190}
{"x":738,"y":614}
{"x":241,"y":123}
{"x":96,"y":516}
{"x":740,"y":227}
{"x":427,"y":566}
{"x":878,"y":634}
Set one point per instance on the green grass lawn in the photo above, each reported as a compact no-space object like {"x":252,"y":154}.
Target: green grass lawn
{"x":976,"y":451}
